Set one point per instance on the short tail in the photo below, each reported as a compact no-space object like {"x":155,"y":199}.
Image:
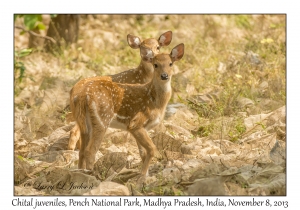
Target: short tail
{"x":79,"y":110}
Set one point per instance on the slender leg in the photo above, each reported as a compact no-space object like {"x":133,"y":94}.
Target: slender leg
{"x":93,"y":146}
{"x":141,"y":151}
{"x":74,"y":137}
{"x":82,"y":158}
{"x":141,"y":136}
{"x":99,"y":124}
{"x":78,"y":145}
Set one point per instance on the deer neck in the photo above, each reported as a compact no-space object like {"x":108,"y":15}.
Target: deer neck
{"x":146,"y":70}
{"x":160,"y":92}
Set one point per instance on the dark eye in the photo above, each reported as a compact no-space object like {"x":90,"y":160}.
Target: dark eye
{"x":155,"y":66}
{"x":170,"y":64}
{"x":158,"y":48}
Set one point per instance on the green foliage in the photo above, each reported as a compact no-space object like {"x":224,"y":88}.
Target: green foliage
{"x":22,"y":53}
{"x":236,"y":131}
{"x":262,"y":125}
{"x":19,"y":67}
{"x":244,"y":185}
{"x":64,"y":114}
{"x":242,"y":21}
{"x":33,"y":21}
{"x":20,"y":157}
{"x":205,"y":130}
{"x":202,"y":109}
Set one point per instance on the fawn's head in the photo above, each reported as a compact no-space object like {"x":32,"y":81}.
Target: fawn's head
{"x":153,"y":44}
{"x":162,"y":63}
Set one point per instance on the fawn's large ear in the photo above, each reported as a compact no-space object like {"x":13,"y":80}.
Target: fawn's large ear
{"x":165,"y":39}
{"x":133,"y":41}
{"x":146,"y":54}
{"x":177,"y":52}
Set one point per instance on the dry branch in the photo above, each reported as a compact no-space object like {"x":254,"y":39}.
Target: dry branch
{"x":35,"y":34}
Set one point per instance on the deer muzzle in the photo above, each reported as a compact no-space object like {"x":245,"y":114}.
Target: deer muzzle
{"x":164,"y":76}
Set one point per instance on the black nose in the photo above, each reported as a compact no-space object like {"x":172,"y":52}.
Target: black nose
{"x":164,"y":76}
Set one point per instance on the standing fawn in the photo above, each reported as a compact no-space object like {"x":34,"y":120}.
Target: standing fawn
{"x":102,"y":103}
{"x":142,"y":74}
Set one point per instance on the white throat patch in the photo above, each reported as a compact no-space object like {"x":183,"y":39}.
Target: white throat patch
{"x":167,"y":86}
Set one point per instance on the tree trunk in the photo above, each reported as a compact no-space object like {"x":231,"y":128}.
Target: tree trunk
{"x":64,"y":29}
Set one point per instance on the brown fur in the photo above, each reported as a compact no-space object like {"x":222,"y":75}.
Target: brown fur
{"x":142,"y":74}
{"x":137,"y":107}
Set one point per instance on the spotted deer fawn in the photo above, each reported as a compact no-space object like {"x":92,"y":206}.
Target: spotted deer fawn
{"x":142,"y":74}
{"x":102,"y":103}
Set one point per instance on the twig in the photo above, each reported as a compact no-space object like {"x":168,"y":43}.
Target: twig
{"x":35,"y":34}
{"x":221,"y":133}
{"x":64,"y":166}
{"x":211,"y":159}
{"x":256,"y":125}
{"x":55,"y":30}
{"x":262,"y":152}
{"x":223,"y":164}
{"x":227,"y":174}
